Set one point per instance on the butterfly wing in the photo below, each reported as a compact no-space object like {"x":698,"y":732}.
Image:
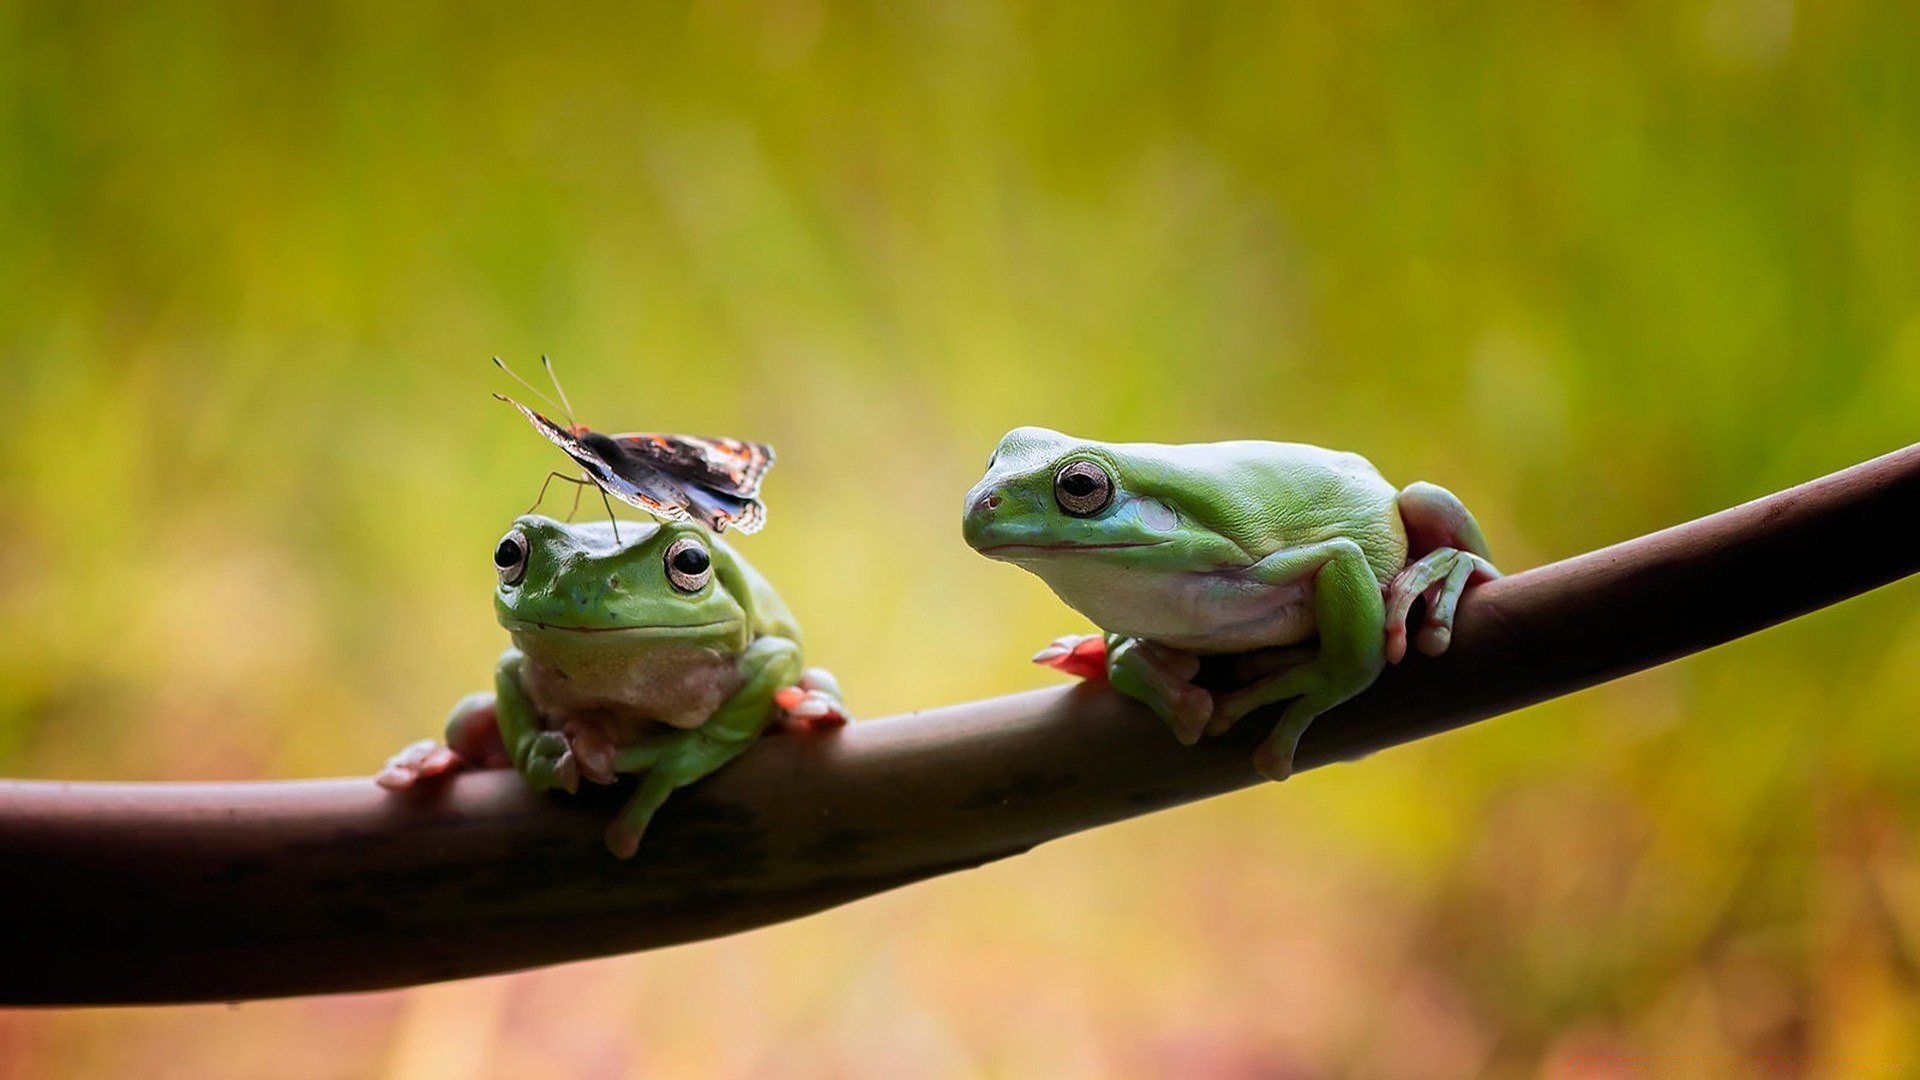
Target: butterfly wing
{"x":720,"y":511}
{"x":603,"y":472}
{"x":718,"y":507}
{"x":730,"y":466}
{"x":676,"y":477}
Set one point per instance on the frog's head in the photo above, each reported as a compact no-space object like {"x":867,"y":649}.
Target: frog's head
{"x":577,"y":586}
{"x":1048,"y":495}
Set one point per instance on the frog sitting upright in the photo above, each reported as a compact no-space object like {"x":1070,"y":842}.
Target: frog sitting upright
{"x":655,"y":650}
{"x":1183,"y":551}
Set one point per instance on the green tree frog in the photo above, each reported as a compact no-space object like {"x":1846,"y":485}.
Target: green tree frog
{"x":1179,"y":552}
{"x":657,"y":650}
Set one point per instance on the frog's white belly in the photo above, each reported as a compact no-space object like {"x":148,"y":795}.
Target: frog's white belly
{"x":1216,"y":612}
{"x":679,"y":685}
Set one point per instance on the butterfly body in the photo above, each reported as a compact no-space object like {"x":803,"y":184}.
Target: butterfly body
{"x":713,"y":481}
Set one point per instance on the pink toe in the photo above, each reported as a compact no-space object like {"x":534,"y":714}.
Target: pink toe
{"x":1083,"y":657}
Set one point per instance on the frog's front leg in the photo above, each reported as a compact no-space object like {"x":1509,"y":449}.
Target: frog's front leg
{"x":675,"y":760}
{"x":1161,"y":677}
{"x":544,"y":758}
{"x":1348,"y":615}
{"x":1158,"y":676}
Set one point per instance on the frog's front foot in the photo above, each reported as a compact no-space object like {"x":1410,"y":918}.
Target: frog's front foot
{"x":547,"y":762}
{"x":593,"y":753}
{"x":1083,"y":656}
{"x":473,"y":742}
{"x":416,"y":763}
{"x":1161,"y":677}
{"x":812,"y":704}
{"x":1441,"y":575}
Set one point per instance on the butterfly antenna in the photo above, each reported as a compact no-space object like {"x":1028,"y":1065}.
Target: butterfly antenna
{"x":558,"y":389}
{"x":532,"y":389}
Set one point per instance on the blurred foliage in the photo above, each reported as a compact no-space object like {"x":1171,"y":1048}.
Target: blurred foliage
{"x":1598,"y":267}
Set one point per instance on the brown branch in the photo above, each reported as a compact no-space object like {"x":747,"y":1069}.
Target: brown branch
{"x":192,"y":892}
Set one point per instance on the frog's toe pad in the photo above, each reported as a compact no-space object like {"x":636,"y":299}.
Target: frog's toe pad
{"x":1275,"y":765}
{"x":1433,"y":640}
{"x":1396,"y":641}
{"x":621,"y":840}
{"x":1191,"y":713}
{"x":1083,"y":656}
{"x":809,"y":710}
{"x":593,"y":754}
{"x":417,"y":762}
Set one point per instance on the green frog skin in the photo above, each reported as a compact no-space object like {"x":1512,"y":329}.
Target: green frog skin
{"x":1303,"y":556}
{"x":660,"y":652}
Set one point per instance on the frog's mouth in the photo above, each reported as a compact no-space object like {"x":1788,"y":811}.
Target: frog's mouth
{"x":1017,"y":551}
{"x":534,"y":626}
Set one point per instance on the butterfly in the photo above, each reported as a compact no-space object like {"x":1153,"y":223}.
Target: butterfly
{"x":715,"y":482}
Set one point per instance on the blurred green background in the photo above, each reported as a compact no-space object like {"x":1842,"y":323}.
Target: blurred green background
{"x":1597,"y":267}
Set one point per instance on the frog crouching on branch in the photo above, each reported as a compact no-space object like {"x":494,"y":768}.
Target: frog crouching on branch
{"x":1305,"y":559}
{"x":638,"y":648}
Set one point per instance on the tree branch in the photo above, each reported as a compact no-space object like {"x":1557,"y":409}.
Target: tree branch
{"x":197,"y":892}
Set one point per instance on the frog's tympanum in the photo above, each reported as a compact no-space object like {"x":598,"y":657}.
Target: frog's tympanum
{"x":1304,"y":558}
{"x":661,"y":652}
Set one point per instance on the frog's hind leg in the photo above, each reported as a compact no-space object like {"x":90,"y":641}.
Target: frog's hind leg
{"x":624,"y":833}
{"x":677,"y":760}
{"x":1448,"y":553}
{"x":1348,"y":611}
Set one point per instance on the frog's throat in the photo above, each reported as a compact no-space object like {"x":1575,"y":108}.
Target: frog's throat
{"x":609,"y":634}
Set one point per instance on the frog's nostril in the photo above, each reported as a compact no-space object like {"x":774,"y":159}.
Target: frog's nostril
{"x":988,"y":502}
{"x":614,"y":583}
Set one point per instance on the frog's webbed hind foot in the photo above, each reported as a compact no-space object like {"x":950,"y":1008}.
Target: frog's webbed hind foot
{"x":1162,"y":678}
{"x":812,"y":704}
{"x":1441,"y":576}
{"x":1448,"y":553}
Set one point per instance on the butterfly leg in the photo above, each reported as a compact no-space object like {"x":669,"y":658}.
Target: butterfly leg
{"x":575,"y":508}
{"x":614,"y":521}
{"x":551,"y":477}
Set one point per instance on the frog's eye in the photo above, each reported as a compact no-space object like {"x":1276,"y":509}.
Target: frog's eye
{"x":510,"y":558}
{"x":688,"y":565}
{"x":1082,"y":488}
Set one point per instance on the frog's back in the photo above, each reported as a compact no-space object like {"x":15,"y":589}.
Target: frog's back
{"x":1272,"y":495}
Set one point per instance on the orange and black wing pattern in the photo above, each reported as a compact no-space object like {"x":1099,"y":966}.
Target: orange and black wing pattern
{"x":676,"y":477}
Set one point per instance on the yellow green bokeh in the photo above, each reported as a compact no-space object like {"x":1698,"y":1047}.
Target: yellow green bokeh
{"x":1596,"y":267}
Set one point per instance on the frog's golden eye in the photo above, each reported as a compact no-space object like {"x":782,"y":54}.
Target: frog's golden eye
{"x":689,"y":566}
{"x":1082,"y":488}
{"x":510,"y":558}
